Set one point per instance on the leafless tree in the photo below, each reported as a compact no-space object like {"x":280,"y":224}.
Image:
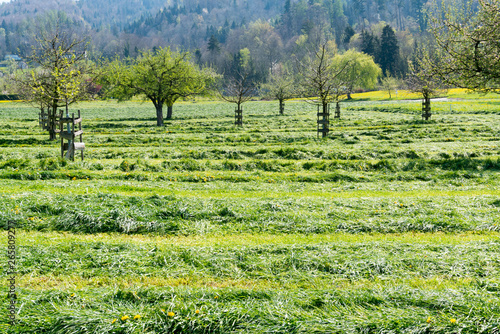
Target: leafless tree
{"x":238,"y":89}
{"x":423,"y":81}
{"x":323,"y":81}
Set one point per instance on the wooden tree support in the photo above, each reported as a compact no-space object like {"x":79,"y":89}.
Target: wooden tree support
{"x":70,"y":134}
{"x":337,"y":110}
{"x":47,"y":120}
{"x":52,"y":123}
{"x":238,"y":117}
{"x":323,"y":121}
{"x":426,"y":109}
{"x":43,"y":119}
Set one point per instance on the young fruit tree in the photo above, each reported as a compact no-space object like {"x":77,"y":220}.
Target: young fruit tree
{"x":468,"y":45}
{"x":161,"y":76}
{"x":323,"y":81}
{"x":240,"y":85}
{"x":59,"y":74}
{"x":280,"y":86}
{"x":422,"y":81}
{"x":389,"y":84}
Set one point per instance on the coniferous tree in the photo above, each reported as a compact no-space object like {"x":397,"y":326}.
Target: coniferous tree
{"x":287,"y":6}
{"x":370,"y":44}
{"x":213,"y":45}
{"x":388,"y":55}
{"x":347,"y":35}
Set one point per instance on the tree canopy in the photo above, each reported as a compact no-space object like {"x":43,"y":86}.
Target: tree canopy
{"x":161,"y":76}
{"x":468,"y":48}
{"x":361,"y":71}
{"x":61,"y":74}
{"x":280,"y":86}
{"x":322,"y":75}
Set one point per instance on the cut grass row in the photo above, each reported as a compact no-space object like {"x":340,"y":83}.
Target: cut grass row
{"x":396,"y":308}
{"x":254,"y":211}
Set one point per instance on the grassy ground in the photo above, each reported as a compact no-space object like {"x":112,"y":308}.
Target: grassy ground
{"x":390,"y":225}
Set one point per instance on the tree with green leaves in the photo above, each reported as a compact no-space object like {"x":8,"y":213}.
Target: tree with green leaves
{"x":280,"y":86}
{"x":60,"y":74}
{"x":213,"y":45}
{"x":468,"y":47}
{"x":389,"y":84}
{"x":347,"y":35}
{"x":162,"y":76}
{"x":370,"y":44}
{"x":361,"y":70}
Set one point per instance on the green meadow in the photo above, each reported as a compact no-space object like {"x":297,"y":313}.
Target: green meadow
{"x":389,"y":225}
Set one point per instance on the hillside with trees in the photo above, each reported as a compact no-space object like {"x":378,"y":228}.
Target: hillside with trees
{"x":268,"y":32}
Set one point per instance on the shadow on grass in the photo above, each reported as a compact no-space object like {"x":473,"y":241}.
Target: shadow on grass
{"x":5,"y":142}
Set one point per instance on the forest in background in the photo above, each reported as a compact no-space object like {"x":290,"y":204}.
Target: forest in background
{"x":220,"y":33}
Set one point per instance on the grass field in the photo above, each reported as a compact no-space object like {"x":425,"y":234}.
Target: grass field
{"x":390,"y":225}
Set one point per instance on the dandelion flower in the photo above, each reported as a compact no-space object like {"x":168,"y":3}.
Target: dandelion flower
{"x":197,"y":312}
{"x":74,"y":178}
{"x":137,"y":317}
{"x":114,"y":320}
{"x":125,"y":317}
{"x":170,"y":314}
{"x":453,"y":320}
{"x":429,"y":319}
{"x":72,"y":295}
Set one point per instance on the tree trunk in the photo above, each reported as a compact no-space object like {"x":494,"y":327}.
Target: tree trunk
{"x":426,"y":108}
{"x":159,"y":115}
{"x":349,"y":97}
{"x":282,"y":107}
{"x":170,"y":110}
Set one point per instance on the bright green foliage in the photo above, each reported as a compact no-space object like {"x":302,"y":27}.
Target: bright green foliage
{"x":361,"y":70}
{"x":61,"y":75}
{"x":161,"y":76}
{"x":389,"y":84}
{"x":69,"y":83}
